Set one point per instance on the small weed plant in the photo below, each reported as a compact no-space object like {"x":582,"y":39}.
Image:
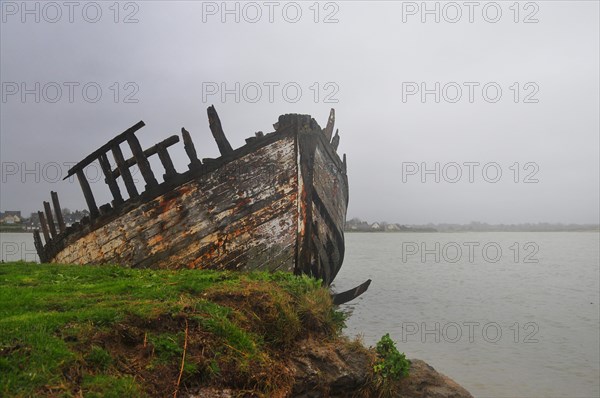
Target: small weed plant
{"x":391,"y":364}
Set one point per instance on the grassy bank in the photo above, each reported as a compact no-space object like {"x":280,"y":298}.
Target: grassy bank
{"x":107,"y":331}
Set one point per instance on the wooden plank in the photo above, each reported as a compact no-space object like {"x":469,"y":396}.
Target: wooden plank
{"x":190,"y":149}
{"x":328,"y":130}
{"x":104,"y":148}
{"x":87,"y":194}
{"x":50,"y":219}
{"x":351,"y":294}
{"x":247,"y":173}
{"x":110,"y":180}
{"x":124,"y":171}
{"x":39,"y":246}
{"x":239,"y":204}
{"x":44,"y":226}
{"x":166,"y":161}
{"x":217,"y":131}
{"x":153,"y":150}
{"x":142,"y":161}
{"x":58,"y":211}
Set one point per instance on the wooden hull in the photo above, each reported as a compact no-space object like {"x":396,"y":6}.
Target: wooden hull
{"x":277,"y":203}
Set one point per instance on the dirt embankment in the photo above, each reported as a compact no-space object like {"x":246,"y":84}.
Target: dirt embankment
{"x":71,"y":331}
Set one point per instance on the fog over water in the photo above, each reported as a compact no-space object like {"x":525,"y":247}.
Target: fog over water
{"x":516,"y":316}
{"x":489,"y":114}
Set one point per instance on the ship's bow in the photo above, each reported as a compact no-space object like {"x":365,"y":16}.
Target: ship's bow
{"x":322,"y":197}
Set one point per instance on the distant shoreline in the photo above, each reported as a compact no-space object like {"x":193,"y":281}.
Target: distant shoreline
{"x":462,"y":231}
{"x":359,"y":225}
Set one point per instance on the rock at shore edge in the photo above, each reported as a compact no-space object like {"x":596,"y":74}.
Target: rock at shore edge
{"x":330,"y":369}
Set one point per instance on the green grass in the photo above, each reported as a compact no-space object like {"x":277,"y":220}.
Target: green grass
{"x":106,"y":386}
{"x":109,"y":331}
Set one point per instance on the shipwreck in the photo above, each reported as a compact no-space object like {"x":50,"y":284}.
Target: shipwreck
{"x":277,"y":203}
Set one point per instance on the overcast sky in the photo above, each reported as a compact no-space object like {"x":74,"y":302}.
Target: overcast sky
{"x":518,"y":92}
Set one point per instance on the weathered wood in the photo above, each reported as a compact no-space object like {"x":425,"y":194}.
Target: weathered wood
{"x":190,"y":149}
{"x":39,"y":246}
{"x":235,"y":216}
{"x":230,"y":213}
{"x":335,"y":142}
{"x":58,"y":211}
{"x":328,"y":130}
{"x":166,"y":161}
{"x":105,"y":209}
{"x":104,"y":148}
{"x":110,"y":180}
{"x":217,"y":131}
{"x":351,"y":294}
{"x":50,"y":219}
{"x":257,"y":136}
{"x":329,"y":201}
{"x":44,"y":226}
{"x":142,"y":161}
{"x":87,"y":194}
{"x":153,"y":150}
{"x":124,"y":172}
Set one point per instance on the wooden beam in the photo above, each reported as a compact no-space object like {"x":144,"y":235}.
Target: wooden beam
{"x":50,"y":219}
{"x":124,"y":171}
{"x":87,"y":194}
{"x":190,"y":149}
{"x":44,"y":226}
{"x":58,"y":211}
{"x":104,"y":148}
{"x":142,"y":161}
{"x":335,"y":142}
{"x":110,"y":180}
{"x":328,"y":130}
{"x":153,"y":150}
{"x":217,"y":131}
{"x":166,"y":161}
{"x":39,"y":246}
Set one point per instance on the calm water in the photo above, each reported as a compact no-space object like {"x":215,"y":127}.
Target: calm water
{"x":504,"y":314}
{"x":494,"y":319}
{"x":17,"y":246}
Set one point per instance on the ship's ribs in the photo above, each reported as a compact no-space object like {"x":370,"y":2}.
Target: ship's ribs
{"x":277,"y":203}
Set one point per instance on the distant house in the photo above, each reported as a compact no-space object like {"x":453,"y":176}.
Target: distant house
{"x":11,"y":219}
{"x":375,"y":226}
{"x":356,"y":224}
{"x":392,"y":227}
{"x":16,"y":213}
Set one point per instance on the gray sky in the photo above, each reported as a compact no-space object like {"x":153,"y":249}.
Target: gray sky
{"x":544,"y":128}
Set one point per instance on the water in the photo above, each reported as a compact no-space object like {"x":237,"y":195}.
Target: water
{"x":450,"y":312}
{"x":498,"y":322}
{"x":17,"y":247}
